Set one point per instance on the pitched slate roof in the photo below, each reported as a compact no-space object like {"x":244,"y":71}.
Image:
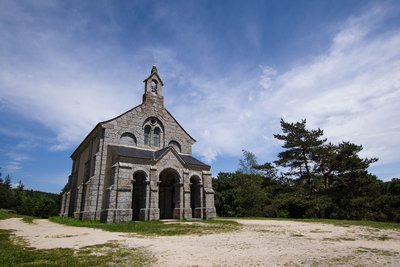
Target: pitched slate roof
{"x":192,"y":160}
{"x":132,"y":152}
{"x":155,"y":155}
{"x":159,"y":153}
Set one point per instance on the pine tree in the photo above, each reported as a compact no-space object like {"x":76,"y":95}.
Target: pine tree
{"x":302,"y":149}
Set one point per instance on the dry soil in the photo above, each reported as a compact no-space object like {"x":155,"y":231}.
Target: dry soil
{"x":258,"y":243}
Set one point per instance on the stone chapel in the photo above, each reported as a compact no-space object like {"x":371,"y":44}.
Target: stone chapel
{"x":139,"y":166}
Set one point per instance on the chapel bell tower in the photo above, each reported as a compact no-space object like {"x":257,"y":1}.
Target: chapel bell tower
{"x":153,"y":89}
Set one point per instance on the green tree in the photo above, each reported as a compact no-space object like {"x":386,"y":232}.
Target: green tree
{"x":302,"y":148}
{"x":20,"y":186}
{"x":248,"y":163}
{"x":7,"y":196}
{"x":250,"y":196}
{"x":224,"y":194}
{"x":336,"y":178}
{"x":241,"y":193}
{"x":7,"y":181}
{"x":349,"y":172}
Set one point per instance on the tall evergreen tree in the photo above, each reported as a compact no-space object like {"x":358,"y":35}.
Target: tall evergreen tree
{"x":302,"y":147}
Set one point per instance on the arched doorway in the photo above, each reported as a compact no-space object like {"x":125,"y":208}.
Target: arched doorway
{"x":138,"y":194}
{"x":168,"y":193}
{"x":195,"y":196}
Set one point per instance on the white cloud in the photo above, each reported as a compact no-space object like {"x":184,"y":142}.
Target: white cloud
{"x":267,"y":77}
{"x":352,"y":91}
{"x":353,"y":95}
{"x":49,"y":75}
{"x":14,"y":160}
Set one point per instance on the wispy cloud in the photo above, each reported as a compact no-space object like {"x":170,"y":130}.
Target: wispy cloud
{"x":352,"y":91}
{"x":54,"y":74}
{"x":47,"y":74}
{"x":15,"y":161}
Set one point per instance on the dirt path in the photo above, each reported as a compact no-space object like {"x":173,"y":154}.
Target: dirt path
{"x":259,"y":243}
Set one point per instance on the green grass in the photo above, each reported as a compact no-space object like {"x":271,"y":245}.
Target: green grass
{"x":7,"y":215}
{"x":342,"y":223}
{"x":161,"y":228}
{"x":4,"y":214}
{"x":377,"y":251}
{"x":14,"y":252}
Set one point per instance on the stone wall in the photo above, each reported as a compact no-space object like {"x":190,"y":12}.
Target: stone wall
{"x":132,"y":122}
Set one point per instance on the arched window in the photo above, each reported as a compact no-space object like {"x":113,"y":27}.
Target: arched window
{"x":156,"y":137}
{"x":147,"y":130}
{"x":128,"y":139}
{"x":175,"y":145}
{"x":153,"y":132}
{"x":154,"y":87}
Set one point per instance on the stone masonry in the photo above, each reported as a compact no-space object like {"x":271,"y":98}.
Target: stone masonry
{"x":138,"y":166}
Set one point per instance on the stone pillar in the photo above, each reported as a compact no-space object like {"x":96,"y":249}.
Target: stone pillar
{"x":67,"y":199}
{"x":98,"y":184}
{"x":77,"y":211}
{"x":209,"y":211}
{"x":186,"y":196}
{"x":154,"y":211}
{"x":62,"y":210}
{"x":199,"y":210}
{"x":110,"y":197}
{"x":123,"y":201}
{"x":89,"y":211}
{"x":145,"y":212}
{"x":178,"y":210}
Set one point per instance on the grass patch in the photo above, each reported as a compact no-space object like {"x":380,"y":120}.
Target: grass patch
{"x":350,"y":260}
{"x":318,"y":231}
{"x":297,"y":235}
{"x":180,"y":227}
{"x":338,"y":239}
{"x":362,"y":256}
{"x":375,"y":237}
{"x":14,"y":252}
{"x":28,"y":219}
{"x":342,"y":223}
{"x":7,"y":214}
{"x":376,"y":251}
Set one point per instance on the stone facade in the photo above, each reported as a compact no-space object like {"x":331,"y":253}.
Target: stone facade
{"x":138,"y":166}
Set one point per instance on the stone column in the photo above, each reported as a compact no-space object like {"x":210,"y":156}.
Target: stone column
{"x":77,"y":212}
{"x":154,"y":211}
{"x":110,"y":196}
{"x":209,"y":211}
{"x":123,"y":209}
{"x":62,"y":205}
{"x":100,"y":169}
{"x":178,"y":210}
{"x":187,"y":214}
{"x":67,"y":199}
{"x":199,"y":210}
{"x":145,"y":212}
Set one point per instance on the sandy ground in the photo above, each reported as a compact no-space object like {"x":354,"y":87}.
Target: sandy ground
{"x":258,"y":243}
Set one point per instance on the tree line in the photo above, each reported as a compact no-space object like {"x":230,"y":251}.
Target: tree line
{"x":311,"y":178}
{"x":27,"y":202}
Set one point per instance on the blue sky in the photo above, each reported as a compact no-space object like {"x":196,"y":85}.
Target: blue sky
{"x":231,"y":70}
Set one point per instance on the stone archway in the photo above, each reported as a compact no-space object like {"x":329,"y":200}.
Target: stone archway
{"x":195,"y":196}
{"x":138,"y":194}
{"x":168,"y":198}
